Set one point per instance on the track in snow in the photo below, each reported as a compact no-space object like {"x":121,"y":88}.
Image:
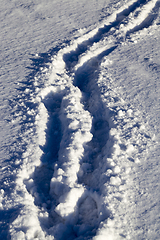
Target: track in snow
{"x":43,"y":174}
{"x":78,"y":164}
{"x":141,"y":19}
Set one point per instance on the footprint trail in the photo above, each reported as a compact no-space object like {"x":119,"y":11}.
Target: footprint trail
{"x":89,"y":139}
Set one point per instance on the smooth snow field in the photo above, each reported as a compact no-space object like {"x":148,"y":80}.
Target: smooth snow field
{"x":80,"y":120}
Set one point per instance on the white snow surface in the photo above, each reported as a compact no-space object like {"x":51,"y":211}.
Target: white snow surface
{"x":80,"y":112}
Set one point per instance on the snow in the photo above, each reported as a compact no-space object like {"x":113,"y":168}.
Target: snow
{"x":80,"y":120}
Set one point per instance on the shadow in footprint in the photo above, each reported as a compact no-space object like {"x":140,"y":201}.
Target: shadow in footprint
{"x":44,"y":173}
{"x":85,"y":80}
{"x":7,"y":216}
{"x":84,"y":223}
{"x":87,"y":223}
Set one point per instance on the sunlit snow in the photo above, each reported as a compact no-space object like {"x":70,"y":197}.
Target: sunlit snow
{"x":80,"y":112}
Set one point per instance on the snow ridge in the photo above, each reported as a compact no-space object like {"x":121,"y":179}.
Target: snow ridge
{"x":76,"y":182}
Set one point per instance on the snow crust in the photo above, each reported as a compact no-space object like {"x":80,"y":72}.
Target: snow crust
{"x":86,"y":137}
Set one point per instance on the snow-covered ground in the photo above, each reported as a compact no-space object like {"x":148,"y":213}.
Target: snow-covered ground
{"x":79,"y":120}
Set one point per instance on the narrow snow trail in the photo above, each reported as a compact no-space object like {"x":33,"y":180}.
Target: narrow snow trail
{"x":79,"y":185}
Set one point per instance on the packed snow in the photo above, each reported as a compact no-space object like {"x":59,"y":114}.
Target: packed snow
{"x":80,"y":120}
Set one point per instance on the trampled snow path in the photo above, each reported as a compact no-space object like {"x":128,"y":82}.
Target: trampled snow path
{"x":75,"y":180}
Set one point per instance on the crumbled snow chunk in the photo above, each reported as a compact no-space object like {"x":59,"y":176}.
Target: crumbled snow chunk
{"x":117,"y":169}
{"x":121,"y":113}
{"x":115,"y":181}
{"x":130,"y":149}
{"x":69,"y":201}
{"x":130,"y":112}
{"x":27,"y":90}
